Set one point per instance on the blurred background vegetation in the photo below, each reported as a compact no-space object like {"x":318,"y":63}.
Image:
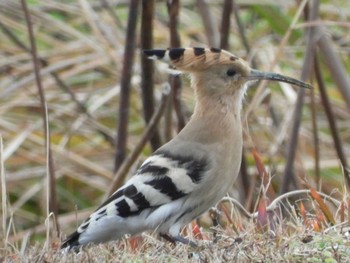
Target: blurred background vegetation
{"x":101,"y":93}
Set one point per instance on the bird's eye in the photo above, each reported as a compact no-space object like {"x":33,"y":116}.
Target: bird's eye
{"x":230,"y":72}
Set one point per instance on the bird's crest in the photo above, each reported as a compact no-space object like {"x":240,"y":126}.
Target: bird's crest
{"x":198,"y":59}
{"x":192,"y":59}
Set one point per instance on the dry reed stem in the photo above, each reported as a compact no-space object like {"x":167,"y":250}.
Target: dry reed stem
{"x":288,"y":175}
{"x":174,"y":80}
{"x":52,"y":205}
{"x":147,"y":69}
{"x":3,"y":193}
{"x":332,"y":122}
{"x":124,"y":103}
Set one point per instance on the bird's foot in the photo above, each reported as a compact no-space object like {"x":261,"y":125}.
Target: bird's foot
{"x":180,"y":239}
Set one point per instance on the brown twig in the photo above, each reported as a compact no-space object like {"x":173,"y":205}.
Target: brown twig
{"x":315,"y":138}
{"x":175,"y":80}
{"x":53,"y":206}
{"x":4,"y":199}
{"x":225,"y":23}
{"x":152,"y":124}
{"x":147,"y":68}
{"x":331,"y":120}
{"x":176,"y":83}
{"x":124,"y":101}
{"x":288,"y":175}
{"x":334,"y":64}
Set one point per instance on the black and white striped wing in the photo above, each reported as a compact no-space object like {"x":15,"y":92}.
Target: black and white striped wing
{"x":163,"y":178}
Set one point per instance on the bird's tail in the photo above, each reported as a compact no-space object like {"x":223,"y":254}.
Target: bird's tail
{"x":72,"y":241}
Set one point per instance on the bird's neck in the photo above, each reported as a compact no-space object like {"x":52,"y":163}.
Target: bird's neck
{"x":221,"y":106}
{"x":216,"y":117}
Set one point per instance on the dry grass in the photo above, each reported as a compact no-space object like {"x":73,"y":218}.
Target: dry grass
{"x":290,"y":242}
{"x":81,"y":45}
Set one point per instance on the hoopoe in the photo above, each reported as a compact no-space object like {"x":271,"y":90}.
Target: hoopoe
{"x":192,"y":172}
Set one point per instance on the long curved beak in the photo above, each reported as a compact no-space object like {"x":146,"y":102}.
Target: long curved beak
{"x":260,"y":75}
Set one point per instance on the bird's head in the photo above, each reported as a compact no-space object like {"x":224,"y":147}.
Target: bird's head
{"x":218,"y":70}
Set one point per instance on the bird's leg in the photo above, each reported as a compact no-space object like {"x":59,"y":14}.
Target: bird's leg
{"x":185,"y":241}
{"x":174,"y":239}
{"x":167,"y":238}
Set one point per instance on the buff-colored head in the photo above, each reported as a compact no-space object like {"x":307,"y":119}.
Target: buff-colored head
{"x":216,"y":68}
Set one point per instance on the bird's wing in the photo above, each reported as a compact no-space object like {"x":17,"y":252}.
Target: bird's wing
{"x":163,"y":177}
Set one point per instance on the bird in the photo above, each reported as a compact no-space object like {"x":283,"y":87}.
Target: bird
{"x":191,"y":173}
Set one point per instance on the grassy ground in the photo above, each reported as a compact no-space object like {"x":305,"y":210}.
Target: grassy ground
{"x":299,"y":245}
{"x":81,"y":45}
